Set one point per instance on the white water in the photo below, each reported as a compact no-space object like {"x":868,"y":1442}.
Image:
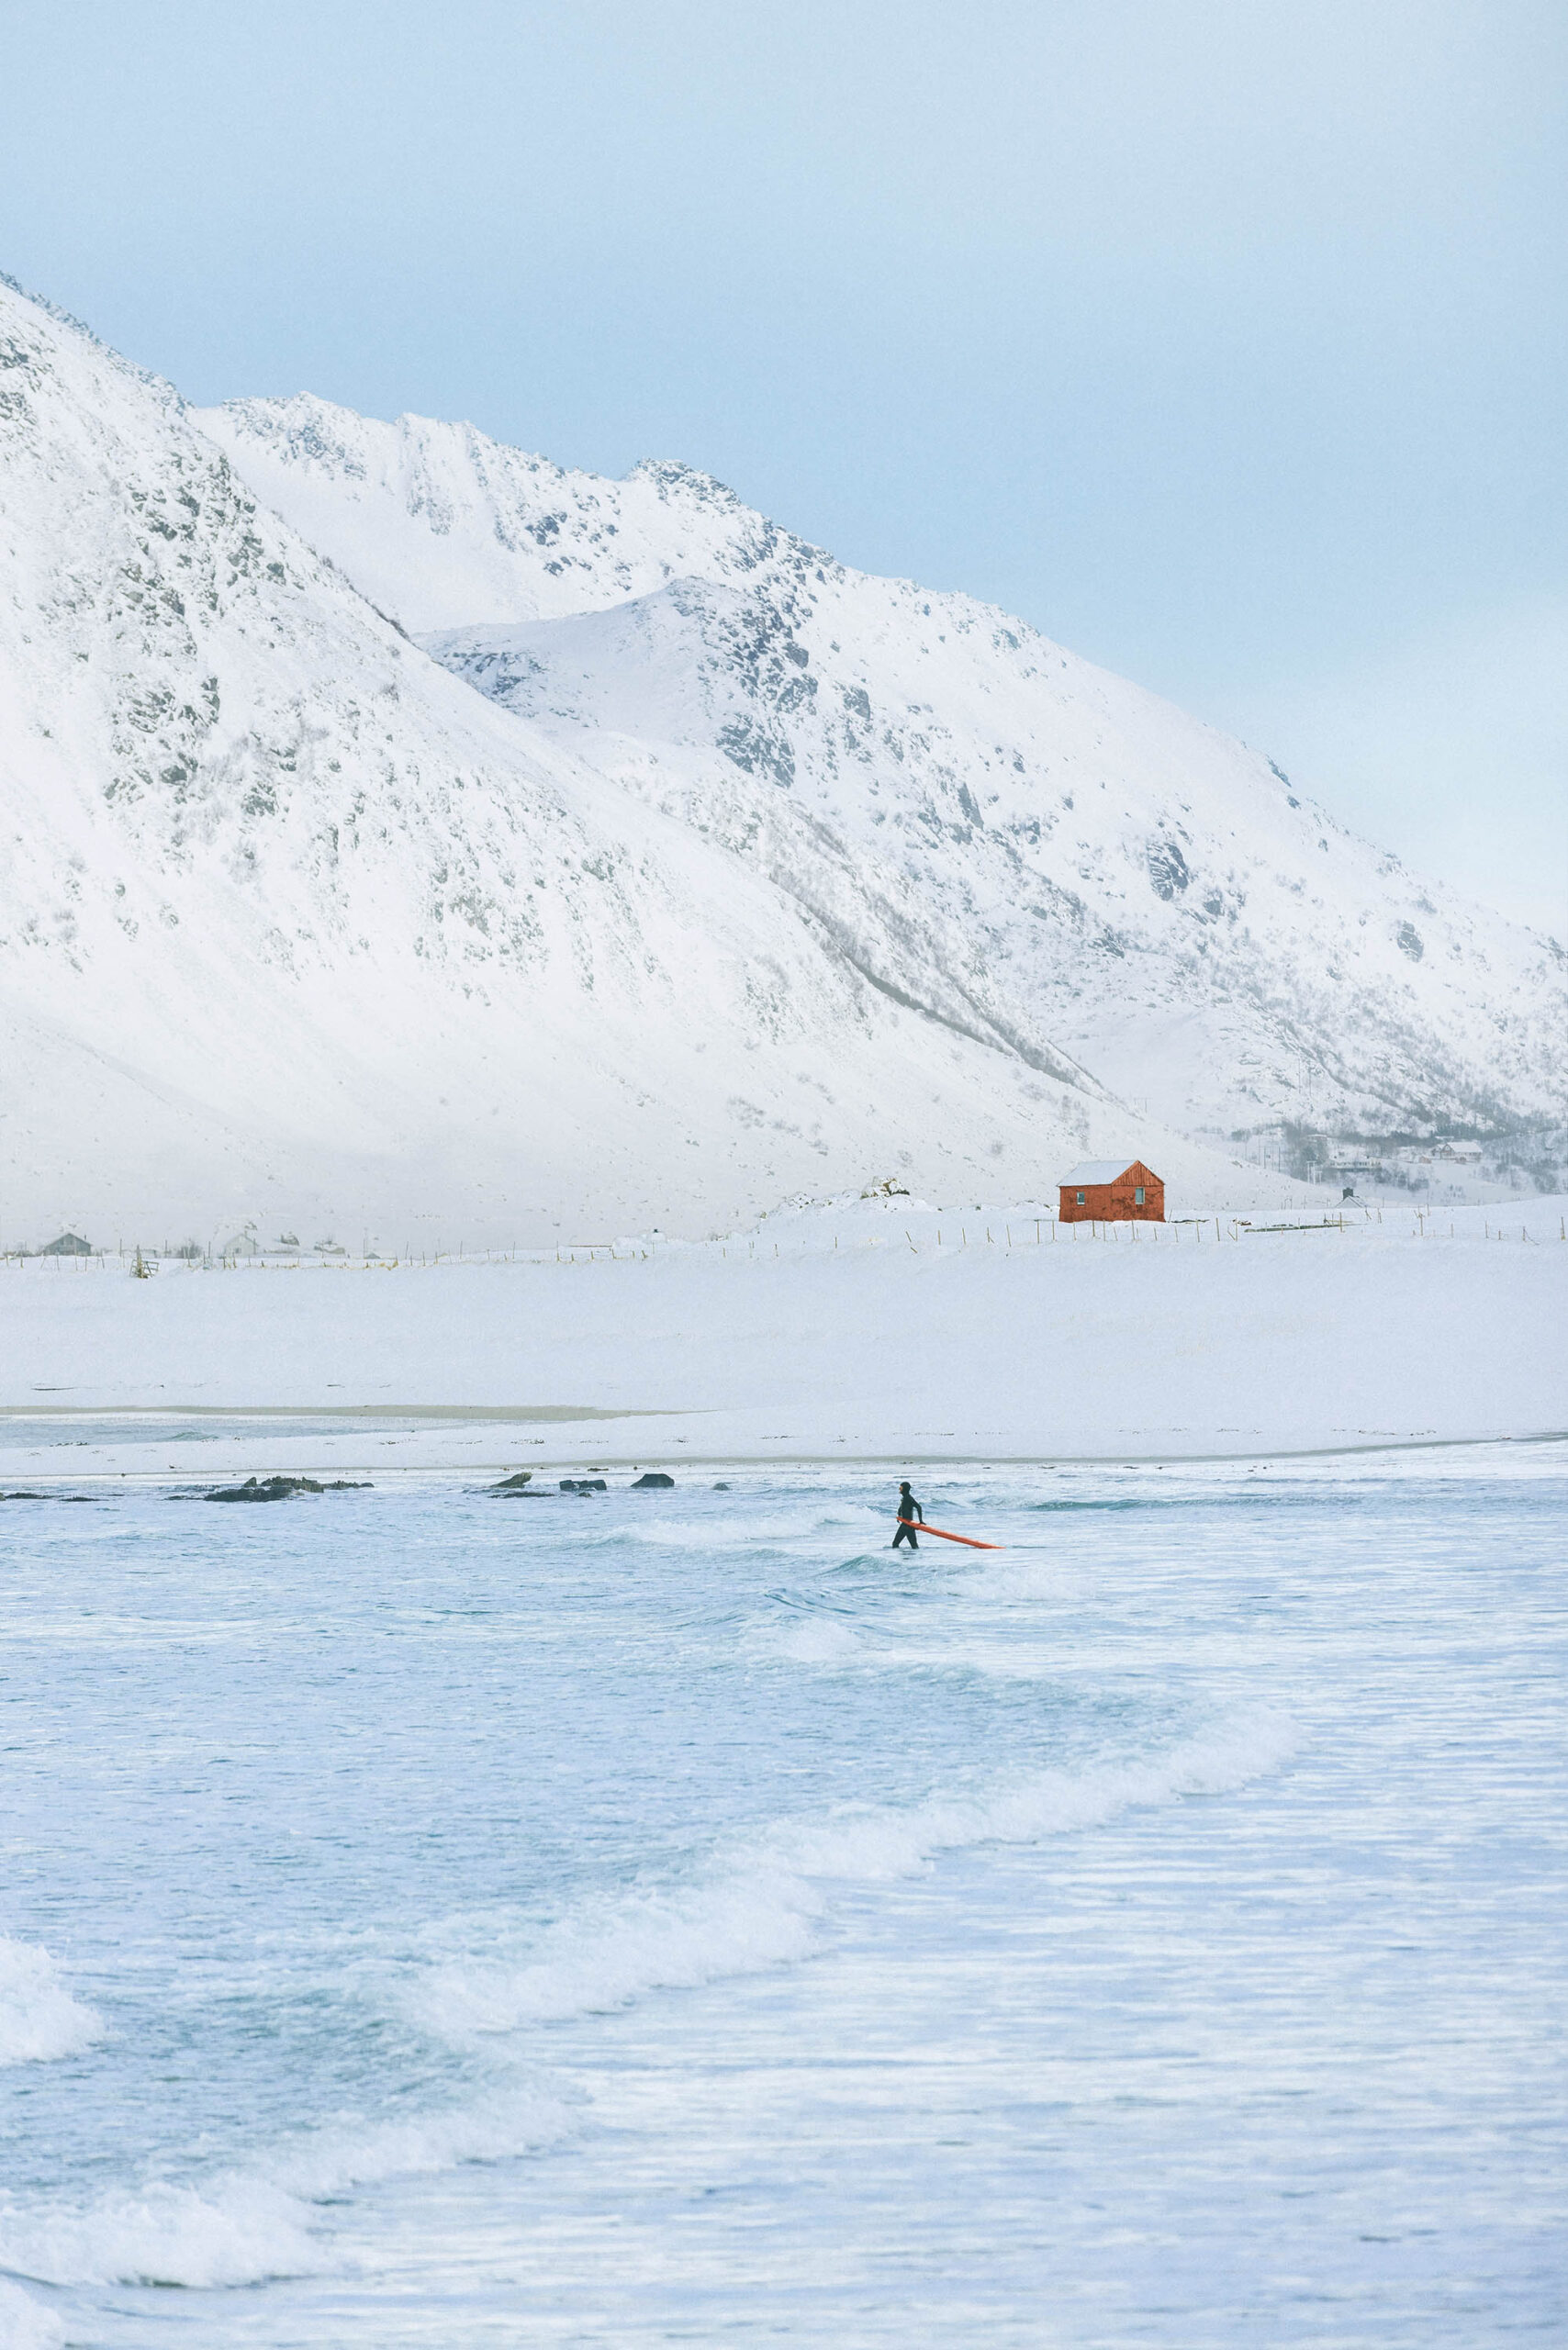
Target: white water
{"x":434,"y":1919}
{"x":39,"y":2018}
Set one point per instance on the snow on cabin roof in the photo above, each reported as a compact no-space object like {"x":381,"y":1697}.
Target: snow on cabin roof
{"x":1099,"y":1170}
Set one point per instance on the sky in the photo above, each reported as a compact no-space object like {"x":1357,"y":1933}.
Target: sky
{"x":1223,"y":339}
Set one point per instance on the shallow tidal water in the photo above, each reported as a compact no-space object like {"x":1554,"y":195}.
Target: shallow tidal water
{"x":652,"y":1918}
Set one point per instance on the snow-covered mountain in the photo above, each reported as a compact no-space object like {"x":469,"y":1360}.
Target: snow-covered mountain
{"x":1060,"y":860}
{"x":744,"y":875}
{"x":293,"y":924}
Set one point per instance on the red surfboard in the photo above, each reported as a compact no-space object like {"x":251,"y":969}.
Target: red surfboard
{"x":966,"y":1539}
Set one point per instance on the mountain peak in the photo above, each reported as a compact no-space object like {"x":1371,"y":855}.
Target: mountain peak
{"x":671,"y":478}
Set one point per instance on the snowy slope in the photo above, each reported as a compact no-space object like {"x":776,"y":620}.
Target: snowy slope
{"x":1060,"y":860}
{"x":296,"y":927}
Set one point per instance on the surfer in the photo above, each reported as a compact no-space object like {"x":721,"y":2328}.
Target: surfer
{"x":908,"y":1511}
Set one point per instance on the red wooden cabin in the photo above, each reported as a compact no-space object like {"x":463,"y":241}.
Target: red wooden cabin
{"x":1113,"y":1191}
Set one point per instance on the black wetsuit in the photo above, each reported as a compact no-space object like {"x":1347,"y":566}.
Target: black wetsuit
{"x":909,"y":1510}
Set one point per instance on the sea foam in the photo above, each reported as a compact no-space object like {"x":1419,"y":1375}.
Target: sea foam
{"x":763,"y":1908}
{"x":245,"y":2227}
{"x":236,"y":2231}
{"x":39,"y":2018}
{"x":25,"y":2325}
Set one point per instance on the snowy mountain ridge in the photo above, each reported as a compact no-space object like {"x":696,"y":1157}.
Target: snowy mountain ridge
{"x":1102,"y":881}
{"x":742,"y":875}
{"x":442,"y":527}
{"x":295,"y":924}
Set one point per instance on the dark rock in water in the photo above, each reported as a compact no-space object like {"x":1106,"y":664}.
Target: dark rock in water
{"x":22,"y":1498}
{"x":278,"y":1488}
{"x":518,"y":1487}
{"x":584,"y":1485}
{"x":720,"y":1487}
{"x":651,"y":1477}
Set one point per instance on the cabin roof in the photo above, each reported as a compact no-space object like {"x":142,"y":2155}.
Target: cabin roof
{"x":1099,"y":1170}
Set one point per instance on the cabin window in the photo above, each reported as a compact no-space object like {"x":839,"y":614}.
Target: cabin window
{"x":1081,"y":1199}
{"x":1138,"y":1197}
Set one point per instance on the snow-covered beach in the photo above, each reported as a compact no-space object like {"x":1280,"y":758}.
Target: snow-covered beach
{"x":868,"y":1331}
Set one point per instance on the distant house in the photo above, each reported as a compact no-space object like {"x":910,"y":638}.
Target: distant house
{"x":70,"y":1244}
{"x":1113,"y":1191}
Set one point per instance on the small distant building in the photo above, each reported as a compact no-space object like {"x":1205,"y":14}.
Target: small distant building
{"x":70,"y":1244}
{"x":1113,"y":1191}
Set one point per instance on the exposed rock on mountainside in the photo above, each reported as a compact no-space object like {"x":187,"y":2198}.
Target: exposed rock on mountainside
{"x":1039,"y":852}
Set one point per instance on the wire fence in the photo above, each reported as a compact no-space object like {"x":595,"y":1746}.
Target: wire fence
{"x":946,"y":1238}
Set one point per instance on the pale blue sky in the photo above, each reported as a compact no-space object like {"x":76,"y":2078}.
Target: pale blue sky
{"x":1225,"y":341}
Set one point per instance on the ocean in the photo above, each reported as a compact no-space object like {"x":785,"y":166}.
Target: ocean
{"x":434,"y":1920}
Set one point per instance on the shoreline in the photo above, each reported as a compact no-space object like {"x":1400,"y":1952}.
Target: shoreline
{"x":386,"y":1475}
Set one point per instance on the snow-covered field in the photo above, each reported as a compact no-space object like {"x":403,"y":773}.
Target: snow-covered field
{"x":875,"y":1330}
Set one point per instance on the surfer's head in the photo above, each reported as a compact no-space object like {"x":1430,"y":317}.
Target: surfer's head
{"x":903,"y":1485}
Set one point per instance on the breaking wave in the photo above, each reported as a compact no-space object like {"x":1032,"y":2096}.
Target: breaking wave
{"x":39,"y":2018}
{"x":236,"y":2231}
{"x":244,"y":2227}
{"x":25,"y":2325}
{"x":764,"y":1908}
